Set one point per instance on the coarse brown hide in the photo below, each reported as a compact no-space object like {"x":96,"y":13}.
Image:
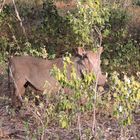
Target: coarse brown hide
{"x":28,"y":70}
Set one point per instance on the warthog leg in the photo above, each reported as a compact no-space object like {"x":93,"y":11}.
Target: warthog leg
{"x":19,"y":88}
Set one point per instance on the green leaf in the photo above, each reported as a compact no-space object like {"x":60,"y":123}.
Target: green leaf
{"x":64,"y":124}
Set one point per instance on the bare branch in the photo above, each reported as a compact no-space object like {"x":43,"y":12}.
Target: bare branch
{"x":79,"y":126}
{"x":18,"y":16}
{"x":98,"y":31}
{"x":94,"y":110}
{"x":2,"y":5}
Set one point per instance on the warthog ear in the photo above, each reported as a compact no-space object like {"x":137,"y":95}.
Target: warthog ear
{"x":80,"y":51}
{"x":100,"y":50}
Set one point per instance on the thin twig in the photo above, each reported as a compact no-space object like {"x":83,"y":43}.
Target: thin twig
{"x":94,"y":110}
{"x":97,"y":78}
{"x":79,"y":126}
{"x":2,"y":6}
{"x":13,"y":35}
{"x":43,"y":127}
{"x":4,"y":98}
{"x":99,"y":34}
{"x":18,"y":16}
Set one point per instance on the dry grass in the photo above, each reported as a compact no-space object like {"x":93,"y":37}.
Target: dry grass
{"x":135,"y":12}
{"x":65,"y":5}
{"x":134,"y":25}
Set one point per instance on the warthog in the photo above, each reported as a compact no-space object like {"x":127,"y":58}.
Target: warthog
{"x":28,"y":70}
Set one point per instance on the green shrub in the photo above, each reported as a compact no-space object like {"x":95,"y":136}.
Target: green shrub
{"x":122,"y":57}
{"x":126,"y":97}
{"x":82,"y":22}
{"x":76,"y":27}
{"x":81,"y":97}
{"x":119,"y":18}
{"x":54,"y":31}
{"x":55,"y":27}
{"x":136,"y":2}
{"x":121,"y":52}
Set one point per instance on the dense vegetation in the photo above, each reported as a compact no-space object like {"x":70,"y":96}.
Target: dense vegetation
{"x":49,"y":29}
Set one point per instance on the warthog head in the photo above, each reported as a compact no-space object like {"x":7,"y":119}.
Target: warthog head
{"x":28,"y":70}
